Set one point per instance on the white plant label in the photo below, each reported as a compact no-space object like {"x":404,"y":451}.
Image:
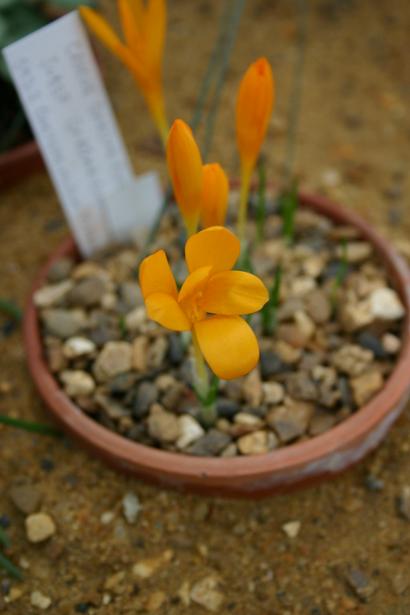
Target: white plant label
{"x":60,"y":87}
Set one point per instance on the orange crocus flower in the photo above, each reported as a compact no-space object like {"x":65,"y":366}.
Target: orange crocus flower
{"x":209,"y":302}
{"x":215,"y":195}
{"x":143,"y":26}
{"x":185,"y":169}
{"x":253,"y":110}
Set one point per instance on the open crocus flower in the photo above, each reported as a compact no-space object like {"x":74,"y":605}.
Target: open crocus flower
{"x":185,"y":169}
{"x":209,"y":302}
{"x":214,"y":196}
{"x":143,"y":25}
{"x":253,"y":110}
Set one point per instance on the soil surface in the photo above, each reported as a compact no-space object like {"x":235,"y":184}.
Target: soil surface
{"x":347,"y":548}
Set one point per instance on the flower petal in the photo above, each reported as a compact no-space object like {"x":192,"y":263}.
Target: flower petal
{"x":215,"y":247}
{"x":185,"y":170}
{"x":235,"y":292}
{"x":228,"y":344}
{"x":253,"y":110}
{"x":155,"y":275}
{"x":215,"y":195}
{"x":194,"y":283}
{"x":107,"y":36}
{"x":165,"y":310}
{"x":155,"y":27}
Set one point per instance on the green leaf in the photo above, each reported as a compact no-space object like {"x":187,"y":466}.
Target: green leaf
{"x":269,"y":311}
{"x":288,"y":205}
{"x":4,"y":539}
{"x":9,"y":567}
{"x":10,"y":309}
{"x":31,"y":426}
{"x":261,"y":202}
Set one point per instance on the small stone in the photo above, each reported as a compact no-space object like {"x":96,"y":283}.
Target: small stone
{"x":359,"y":583}
{"x":252,"y":388}
{"x":257,"y":443}
{"x":391,"y":343}
{"x":155,"y":601}
{"x":51,"y":295}
{"x":130,"y":295}
{"x":365,"y":386}
{"x":173,"y":396}
{"x":114,"y":582}
{"x":206,"y":594}
{"x":271,"y":364}
{"x":318,"y":306}
{"x":60,"y":270}
{"x":273,"y":392}
{"x":87,"y":292}
{"x":40,"y":601}
{"x":248,"y":420}
{"x":355,"y":315}
{"x":77,"y":382}
{"x":305,"y":324}
{"x":63,"y":323}
{"x":176,"y":351}
{"x":78,"y":347}
{"x":162,"y":425}
{"x":352,"y":359}
{"x":39,"y":527}
{"x":373,"y":343}
{"x":375,"y":484}
{"x":25,"y":497}
{"x":131,"y":507}
{"x":227,"y":408}
{"x":287,"y":353}
{"x":331,"y":178}
{"x":157,"y":352}
{"x":292,"y":528}
{"x":386,"y":305}
{"x":313,"y":265}
{"x":290,"y":421}
{"x":115,"y":358}
{"x":147,"y":394}
{"x":321,"y":421}
{"x":300,"y":286}
{"x":135,"y":319}
{"x":190,"y":431}
{"x":107,"y":517}
{"x":300,"y":386}
{"x":400,"y":583}
{"x":211,"y":444}
{"x":147,"y":567}
{"x":355,"y":251}
{"x":139,"y":353}
{"x":403,"y":503}
{"x":230,"y":451}
{"x":292,"y":335}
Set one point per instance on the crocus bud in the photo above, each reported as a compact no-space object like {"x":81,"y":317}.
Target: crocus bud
{"x":253,"y":110}
{"x":185,"y":170}
{"x":215,"y":195}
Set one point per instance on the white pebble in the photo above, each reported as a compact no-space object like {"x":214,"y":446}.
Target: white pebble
{"x":40,"y":601}
{"x":385,"y":304}
{"x":131,"y":507}
{"x":291,"y":528}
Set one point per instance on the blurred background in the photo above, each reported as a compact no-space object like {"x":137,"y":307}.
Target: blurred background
{"x":342,"y":121}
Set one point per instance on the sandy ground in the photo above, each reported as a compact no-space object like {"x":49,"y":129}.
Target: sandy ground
{"x":353,"y":144}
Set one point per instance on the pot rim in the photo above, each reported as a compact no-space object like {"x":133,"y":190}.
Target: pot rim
{"x":132,"y":455}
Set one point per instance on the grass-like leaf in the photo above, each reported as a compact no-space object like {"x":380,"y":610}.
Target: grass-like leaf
{"x":10,"y":309}
{"x":31,"y":426}
{"x":10,"y":568}
{"x":261,"y":201}
{"x":269,"y":311}
{"x":288,"y":206}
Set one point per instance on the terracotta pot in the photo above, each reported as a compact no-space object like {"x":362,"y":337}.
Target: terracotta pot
{"x":322,"y":457}
{"x":20,"y":162}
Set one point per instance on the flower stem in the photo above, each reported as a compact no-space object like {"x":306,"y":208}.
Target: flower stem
{"x":202,"y":386}
{"x":243,"y":202}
